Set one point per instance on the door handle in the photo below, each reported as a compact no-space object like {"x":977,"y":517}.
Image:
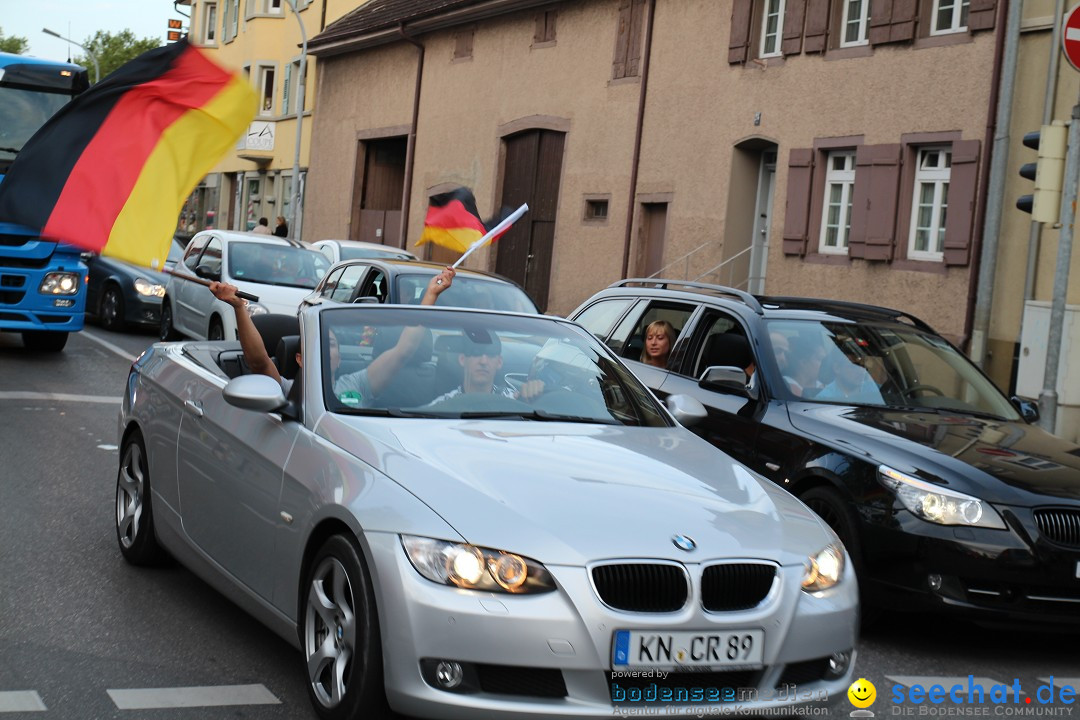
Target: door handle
{"x":195,"y":407}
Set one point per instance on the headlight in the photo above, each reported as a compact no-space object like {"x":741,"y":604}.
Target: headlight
{"x":254,"y":308}
{"x":936,"y":504}
{"x":60,"y":283}
{"x":824,"y":569}
{"x":145,"y":287}
{"x":475,"y":568}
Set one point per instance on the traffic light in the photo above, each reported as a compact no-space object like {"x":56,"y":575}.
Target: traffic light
{"x":1048,"y":172}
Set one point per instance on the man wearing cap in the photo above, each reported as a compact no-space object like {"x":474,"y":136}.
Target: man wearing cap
{"x":481,"y":358}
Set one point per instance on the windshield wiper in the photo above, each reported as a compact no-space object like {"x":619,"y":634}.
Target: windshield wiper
{"x":535,"y":415}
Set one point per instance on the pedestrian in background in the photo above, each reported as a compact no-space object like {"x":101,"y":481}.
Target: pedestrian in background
{"x":263,"y":228}
{"x":282,"y":229}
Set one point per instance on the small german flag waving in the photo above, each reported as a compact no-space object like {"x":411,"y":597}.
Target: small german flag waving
{"x":111,"y":171}
{"x":453,"y":222}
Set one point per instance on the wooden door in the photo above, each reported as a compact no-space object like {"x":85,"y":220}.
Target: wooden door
{"x":651,"y":248}
{"x":377,"y":214}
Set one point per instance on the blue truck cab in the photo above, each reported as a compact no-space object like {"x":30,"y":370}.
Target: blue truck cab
{"x":42,"y":283}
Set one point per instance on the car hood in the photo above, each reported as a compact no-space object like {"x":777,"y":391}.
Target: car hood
{"x":1008,"y":462}
{"x":277,"y":299}
{"x":569,"y":494}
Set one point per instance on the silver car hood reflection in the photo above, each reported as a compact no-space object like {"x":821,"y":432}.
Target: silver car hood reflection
{"x":563,"y":502}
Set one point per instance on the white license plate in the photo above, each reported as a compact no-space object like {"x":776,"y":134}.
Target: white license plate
{"x":704,"y":649}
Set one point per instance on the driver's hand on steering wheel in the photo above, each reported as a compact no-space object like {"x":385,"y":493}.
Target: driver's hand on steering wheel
{"x":530,"y":390}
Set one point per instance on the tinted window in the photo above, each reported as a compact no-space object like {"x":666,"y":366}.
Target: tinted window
{"x":629,"y":338}
{"x":331,"y":283}
{"x":276,"y":264}
{"x":351,"y":276}
{"x":211,"y":257}
{"x":468,"y":292}
{"x":599,"y":317}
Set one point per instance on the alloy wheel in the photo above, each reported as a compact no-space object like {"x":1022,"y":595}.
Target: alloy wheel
{"x":129,"y":496}
{"x":330,"y":631}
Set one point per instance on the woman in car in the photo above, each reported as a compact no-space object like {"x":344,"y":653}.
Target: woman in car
{"x":659,"y":339}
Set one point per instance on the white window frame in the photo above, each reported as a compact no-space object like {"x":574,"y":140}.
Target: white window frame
{"x":261,"y":87}
{"x":938,"y":178}
{"x":234,"y":19}
{"x":777,"y":50}
{"x":210,"y":18}
{"x":960,"y":9}
{"x":273,"y":7}
{"x":862,"y":22}
{"x":845,"y":179}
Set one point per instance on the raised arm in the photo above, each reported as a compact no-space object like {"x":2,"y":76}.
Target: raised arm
{"x":250,"y":341}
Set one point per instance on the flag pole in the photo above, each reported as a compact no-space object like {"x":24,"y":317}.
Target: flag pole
{"x":206,"y":283}
{"x":500,"y":228}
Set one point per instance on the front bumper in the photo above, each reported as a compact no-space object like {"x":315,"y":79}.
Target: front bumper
{"x":142,"y":309}
{"x":549,"y":655}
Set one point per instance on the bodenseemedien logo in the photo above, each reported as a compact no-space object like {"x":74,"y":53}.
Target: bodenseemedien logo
{"x":862,"y":695}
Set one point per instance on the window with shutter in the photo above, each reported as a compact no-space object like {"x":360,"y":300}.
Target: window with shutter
{"x":836,"y":203}
{"x":739,"y":42}
{"x":545,"y":27}
{"x":794,"y":16}
{"x":817,"y":25}
{"x":797,"y":208}
{"x":963,"y":195}
{"x":874,"y":201}
{"x":772,"y":28}
{"x":929,"y":204}
{"x":628,"y":39}
{"x":949,"y":16}
{"x":463,"y":43}
{"x":981,"y":15}
{"x":855,"y":23}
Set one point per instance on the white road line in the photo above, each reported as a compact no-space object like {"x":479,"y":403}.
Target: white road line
{"x":1074,"y":683}
{"x":156,"y":698}
{"x":60,"y":397}
{"x":21,"y":701}
{"x":928,"y":681}
{"x":108,"y":345}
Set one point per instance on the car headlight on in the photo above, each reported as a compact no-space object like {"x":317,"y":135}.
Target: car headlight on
{"x":59,"y":283}
{"x":823,"y":569}
{"x":475,"y":568}
{"x":935,"y":504}
{"x":149,"y":289}
{"x":254,"y":308}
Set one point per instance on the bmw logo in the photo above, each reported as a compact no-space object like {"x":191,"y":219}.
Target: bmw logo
{"x":684,"y":542}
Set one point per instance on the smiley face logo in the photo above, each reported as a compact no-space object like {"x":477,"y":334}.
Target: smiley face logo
{"x":862,"y":693}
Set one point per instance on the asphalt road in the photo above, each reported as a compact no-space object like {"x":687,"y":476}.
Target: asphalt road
{"x":84,"y":635}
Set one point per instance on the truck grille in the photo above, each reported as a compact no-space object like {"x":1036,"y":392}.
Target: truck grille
{"x":1059,"y":525}
{"x":735,"y":586}
{"x":642,"y":587}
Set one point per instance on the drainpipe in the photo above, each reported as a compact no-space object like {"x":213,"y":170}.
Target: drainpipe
{"x":637,"y":137}
{"x":1001,"y":99}
{"x":410,"y":147}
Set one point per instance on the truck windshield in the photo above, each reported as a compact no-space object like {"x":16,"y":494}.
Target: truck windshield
{"x":22,"y":112}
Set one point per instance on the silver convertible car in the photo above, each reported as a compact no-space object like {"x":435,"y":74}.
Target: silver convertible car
{"x":553,"y":545}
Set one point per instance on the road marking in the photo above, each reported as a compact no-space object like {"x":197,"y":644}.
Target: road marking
{"x":21,"y":701}
{"x":1062,"y":682}
{"x":928,"y":681}
{"x":60,"y":397}
{"x":109,"y":346}
{"x":157,"y":698}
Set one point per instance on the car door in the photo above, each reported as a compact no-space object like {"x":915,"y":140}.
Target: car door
{"x":627,"y":340}
{"x":178,"y":285}
{"x":195,"y":299}
{"x":230,"y":463}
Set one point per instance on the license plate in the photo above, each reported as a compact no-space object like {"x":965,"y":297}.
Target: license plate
{"x":657,"y":649}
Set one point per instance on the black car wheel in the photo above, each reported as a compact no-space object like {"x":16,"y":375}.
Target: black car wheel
{"x":216,"y":331}
{"x":134,"y":516}
{"x":340,"y":634}
{"x":111,"y":310}
{"x":167,"y":332}
{"x":830,"y":507}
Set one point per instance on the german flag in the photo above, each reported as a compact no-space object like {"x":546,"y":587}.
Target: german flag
{"x":111,"y":170}
{"x":453,"y":222}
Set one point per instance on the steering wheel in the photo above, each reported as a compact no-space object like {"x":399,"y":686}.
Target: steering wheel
{"x":911,"y":391}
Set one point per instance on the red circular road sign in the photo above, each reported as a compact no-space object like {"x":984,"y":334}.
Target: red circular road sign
{"x":1070,"y":37}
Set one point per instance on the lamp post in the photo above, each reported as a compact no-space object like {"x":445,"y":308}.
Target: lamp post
{"x":301,"y":81}
{"x":97,"y":68}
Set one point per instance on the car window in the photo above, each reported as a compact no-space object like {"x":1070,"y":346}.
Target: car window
{"x":628,"y":340}
{"x":376,"y":286}
{"x":211,"y":256}
{"x":467,"y":292}
{"x":191,"y":257}
{"x":360,"y":253}
{"x":269,"y":264}
{"x":327,"y":251}
{"x":600,"y":316}
{"x":351,"y":277}
{"x":331,"y":283}
{"x":722,"y":342}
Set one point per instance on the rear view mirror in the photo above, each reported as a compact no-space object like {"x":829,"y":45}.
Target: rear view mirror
{"x":1029,"y":409}
{"x":728,"y":379}
{"x":686,"y":409}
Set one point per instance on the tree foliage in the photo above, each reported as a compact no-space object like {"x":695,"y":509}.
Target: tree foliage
{"x":13,"y":43}
{"x":112,"y":51}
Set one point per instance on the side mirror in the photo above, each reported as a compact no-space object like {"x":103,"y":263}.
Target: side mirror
{"x":254,"y":392}
{"x":1029,"y":409}
{"x":207,"y":273}
{"x":728,"y":379}
{"x":687,"y":410}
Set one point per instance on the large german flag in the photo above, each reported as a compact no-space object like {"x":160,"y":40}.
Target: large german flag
{"x":111,"y":170}
{"x":453,"y":222}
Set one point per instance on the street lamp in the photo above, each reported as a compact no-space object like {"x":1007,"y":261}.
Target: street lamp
{"x":294,"y":207}
{"x":97,"y":68}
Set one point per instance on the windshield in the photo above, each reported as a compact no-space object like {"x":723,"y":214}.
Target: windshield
{"x":390,"y":360}
{"x":887,"y":365}
{"x":22,"y":112}
{"x":359,"y":253}
{"x":276,"y":264}
{"x":467,"y":292}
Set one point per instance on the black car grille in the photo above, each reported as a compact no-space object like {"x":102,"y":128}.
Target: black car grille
{"x":738,"y":586}
{"x":524,"y":681}
{"x":1059,"y":525}
{"x":641,"y":587}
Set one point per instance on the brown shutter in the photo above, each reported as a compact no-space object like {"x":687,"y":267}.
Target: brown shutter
{"x":794,"y":14}
{"x":739,"y":43}
{"x":904,"y":15}
{"x":817,"y":26}
{"x":880,"y":21}
{"x":873,"y":204}
{"x":622,"y":38}
{"x":633,"y":48}
{"x":960,"y":213}
{"x":981,"y":15}
{"x":797,"y":210}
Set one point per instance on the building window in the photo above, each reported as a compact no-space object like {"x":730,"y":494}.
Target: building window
{"x":929,"y":203}
{"x":210,"y":23}
{"x":266,"y":90}
{"x":772,"y":28}
{"x":596,"y":209}
{"x":950,"y":16}
{"x":234,"y":19}
{"x":628,"y":39}
{"x":272,"y":7}
{"x":463,"y":43}
{"x":545,"y":27}
{"x":836,"y":207}
{"x":856,"y":18}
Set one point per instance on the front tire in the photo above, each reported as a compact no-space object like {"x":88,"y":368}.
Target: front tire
{"x":167,"y":332}
{"x":216,"y":331}
{"x":111,"y":311}
{"x":340,"y":634}
{"x":134,"y":516}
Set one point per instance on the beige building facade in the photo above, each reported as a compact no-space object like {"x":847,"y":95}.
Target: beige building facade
{"x":261,"y":39}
